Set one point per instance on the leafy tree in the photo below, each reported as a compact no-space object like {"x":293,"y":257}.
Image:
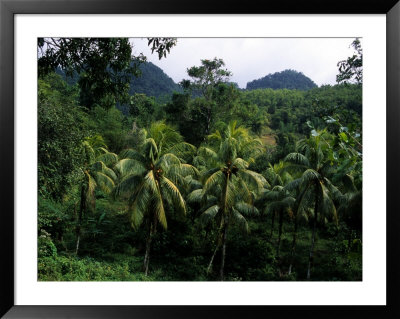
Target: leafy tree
{"x":61,"y":128}
{"x":103,"y":64}
{"x":150,"y":179}
{"x":351,"y":70}
{"x":205,"y":79}
{"x":111,"y":125}
{"x":142,"y":108}
{"x":228,"y":186}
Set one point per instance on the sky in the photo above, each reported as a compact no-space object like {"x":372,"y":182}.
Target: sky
{"x":253,"y":58}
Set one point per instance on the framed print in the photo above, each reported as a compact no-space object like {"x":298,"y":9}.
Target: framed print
{"x":133,"y":186}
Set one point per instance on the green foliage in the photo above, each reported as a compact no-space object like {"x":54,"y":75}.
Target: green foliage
{"x":61,"y":127}
{"x":153,"y":82}
{"x":350,"y":70}
{"x":103,"y":64}
{"x":273,"y":190}
{"x":287,"y":79}
{"x":46,"y":248}
{"x":64,"y":268}
{"x":111,"y":125}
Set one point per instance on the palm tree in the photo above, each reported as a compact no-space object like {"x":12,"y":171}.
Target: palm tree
{"x":228,"y":186}
{"x":278,"y":201}
{"x":313,"y":185}
{"x":96,"y":173}
{"x":276,"y":176}
{"x":150,"y":179}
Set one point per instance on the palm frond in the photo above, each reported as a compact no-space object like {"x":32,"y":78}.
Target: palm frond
{"x":129,"y":166}
{"x":160,"y":211}
{"x":195,"y":196}
{"x":175,"y":194}
{"x":215,"y":178}
{"x":105,"y":183}
{"x":238,"y":219}
{"x":246,"y":209}
{"x":209,"y":214}
{"x":297,"y":158}
{"x":132,"y":154}
{"x":240,"y":163}
{"x":108,"y":158}
{"x":252,"y":178}
{"x":129,"y":185}
{"x":207,"y":152}
{"x":310,"y":176}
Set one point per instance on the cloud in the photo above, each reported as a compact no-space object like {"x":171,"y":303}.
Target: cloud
{"x":252,"y":58}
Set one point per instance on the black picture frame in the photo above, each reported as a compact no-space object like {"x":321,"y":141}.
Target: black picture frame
{"x":9,"y":8}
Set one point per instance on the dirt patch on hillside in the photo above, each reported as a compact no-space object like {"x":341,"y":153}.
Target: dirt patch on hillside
{"x":268,"y":140}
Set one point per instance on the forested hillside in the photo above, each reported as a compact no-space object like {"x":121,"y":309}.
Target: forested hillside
{"x":287,"y":79}
{"x":150,"y":80}
{"x":223,"y":184}
{"x":153,"y":82}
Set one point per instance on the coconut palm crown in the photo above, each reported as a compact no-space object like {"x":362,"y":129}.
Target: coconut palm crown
{"x":229,"y":187}
{"x":151,"y":176}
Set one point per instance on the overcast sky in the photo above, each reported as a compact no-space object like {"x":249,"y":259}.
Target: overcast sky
{"x":252,"y":58}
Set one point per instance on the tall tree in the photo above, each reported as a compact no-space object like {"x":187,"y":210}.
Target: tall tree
{"x":228,"y":185}
{"x":96,"y":173}
{"x":150,"y":179}
{"x":313,"y":184}
{"x":278,"y":201}
{"x":205,"y":79}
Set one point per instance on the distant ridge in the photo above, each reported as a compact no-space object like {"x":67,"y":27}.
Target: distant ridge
{"x":287,"y":79}
{"x":153,"y":82}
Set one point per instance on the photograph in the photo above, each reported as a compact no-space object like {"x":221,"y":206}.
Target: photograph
{"x":194,"y":159}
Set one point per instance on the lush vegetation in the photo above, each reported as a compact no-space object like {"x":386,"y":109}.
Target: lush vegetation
{"x":212,"y":183}
{"x":287,"y":79}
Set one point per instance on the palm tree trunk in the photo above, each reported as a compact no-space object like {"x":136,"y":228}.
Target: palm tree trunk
{"x":349,"y":237}
{"x":272,"y":225}
{"x":212,"y":258}
{"x":147,"y":254}
{"x":221,"y":273}
{"x":217,"y":245}
{"x":82,"y":208}
{"x":295,"y":230}
{"x":293,"y":245}
{"x":280,"y":232}
{"x":310,"y":259}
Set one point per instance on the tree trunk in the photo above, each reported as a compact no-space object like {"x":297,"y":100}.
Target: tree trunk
{"x":279,"y":233}
{"x":310,"y":259}
{"x":82,"y":208}
{"x":147,"y":254}
{"x":223,"y":252}
{"x":272,"y":225}
{"x":208,"y":121}
{"x":349,"y":238}
{"x":295,"y":230}
{"x":212,"y":258}
{"x":293,"y":245}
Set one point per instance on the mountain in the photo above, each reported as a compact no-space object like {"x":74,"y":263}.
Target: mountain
{"x":153,"y":82}
{"x":287,"y":79}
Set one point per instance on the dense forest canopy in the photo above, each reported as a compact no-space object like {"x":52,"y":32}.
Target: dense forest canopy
{"x":287,"y":79}
{"x":210,"y":183}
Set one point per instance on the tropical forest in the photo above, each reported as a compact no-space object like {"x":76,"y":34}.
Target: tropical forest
{"x":143,"y":178}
